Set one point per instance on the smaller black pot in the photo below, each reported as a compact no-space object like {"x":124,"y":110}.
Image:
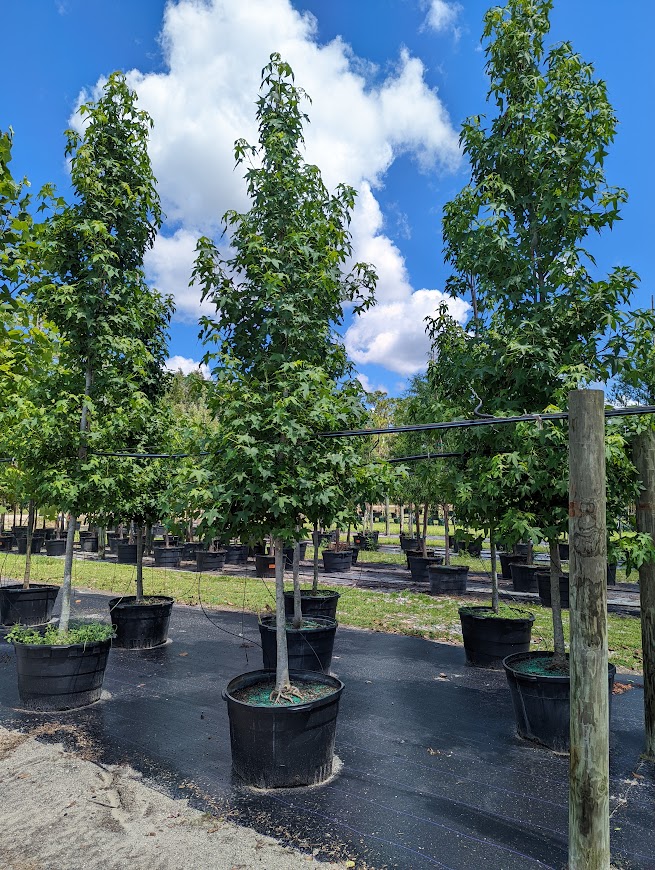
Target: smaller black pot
{"x":31,"y":606}
{"x":543,"y":579}
{"x":418,"y":566}
{"x":355,"y":552}
{"x":337,"y":561}
{"x":310,"y":649}
{"x":490,"y":639}
{"x":447,"y":579}
{"x":288,"y":555}
{"x":453,"y":543}
{"x":236,"y":554}
{"x":474,"y":548}
{"x":524,"y":576}
{"x":563,"y":551}
{"x":611,"y":574}
{"x":411,"y":544}
{"x":21,"y":543}
{"x":140,"y":626}
{"x":210,"y":560}
{"x":167,"y":557}
{"x":89,"y":544}
{"x":522,"y":549}
{"x":265,"y":565}
{"x":507,"y":560}
{"x":324,"y":604}
{"x":55,"y":547}
{"x":189,"y":551}
{"x":125,"y":554}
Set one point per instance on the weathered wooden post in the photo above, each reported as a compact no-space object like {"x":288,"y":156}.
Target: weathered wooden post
{"x":589,"y":836}
{"x":644,"y":456}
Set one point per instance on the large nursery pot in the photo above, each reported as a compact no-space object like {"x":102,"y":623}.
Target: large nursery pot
{"x":563,"y":551}
{"x":337,"y":560}
{"x":611,"y":574}
{"x":167,"y":557}
{"x":55,"y":547}
{"x":447,"y":579}
{"x":355,"y":555}
{"x":474,"y":548}
{"x":6,"y":542}
{"x":265,"y":565}
{"x":60,"y":677}
{"x":321,"y":603}
{"x":410,"y":553}
{"x":411,"y":544}
{"x":541,"y":700}
{"x":236,"y":554}
{"x":418,"y":566}
{"x":21,"y":543}
{"x":126,"y":554}
{"x":89,"y":544}
{"x":543,"y":579}
{"x":115,"y":543}
{"x":525,"y":578}
{"x":488,"y":639}
{"x":310,"y":646}
{"x":507,"y":560}
{"x":189,"y":550}
{"x":31,"y":606}
{"x":288,"y":554}
{"x":143,"y":625}
{"x":210,"y":560}
{"x":282,"y":746}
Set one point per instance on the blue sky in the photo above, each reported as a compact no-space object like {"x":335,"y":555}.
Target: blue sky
{"x":391,"y":81}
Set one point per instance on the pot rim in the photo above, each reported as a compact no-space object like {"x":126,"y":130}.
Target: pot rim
{"x":469,"y":610}
{"x":301,"y":676}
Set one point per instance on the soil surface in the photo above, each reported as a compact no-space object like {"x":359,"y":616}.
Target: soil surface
{"x":64,"y":812}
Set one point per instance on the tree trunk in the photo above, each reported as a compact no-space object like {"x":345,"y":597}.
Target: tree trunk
{"x":417,"y":520}
{"x":424,"y":545}
{"x":139,"y":563}
{"x":559,"y":658}
{"x":28,"y":553}
{"x":148,"y":541}
{"x":102,"y":541}
{"x":387,"y":529}
{"x":495,"y":598}
{"x":348,"y":535}
{"x":297,"y":603}
{"x":589,"y":830}
{"x":282,"y":671}
{"x":67,"y":583}
{"x":644,"y":457}
{"x":401,"y":517}
{"x":446,"y":533}
{"x":316,"y":539}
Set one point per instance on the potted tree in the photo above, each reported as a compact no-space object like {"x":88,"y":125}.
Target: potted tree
{"x":282,"y":377}
{"x":92,"y":288}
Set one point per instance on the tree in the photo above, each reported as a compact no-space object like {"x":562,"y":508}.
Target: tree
{"x":281,"y":368}
{"x":94,"y":289}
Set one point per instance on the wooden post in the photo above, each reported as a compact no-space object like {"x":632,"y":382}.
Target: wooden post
{"x":644,"y":456}
{"x":589,"y":835}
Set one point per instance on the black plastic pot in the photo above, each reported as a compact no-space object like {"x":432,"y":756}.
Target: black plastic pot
{"x":21,"y":543}
{"x":60,"y":677}
{"x":288,"y":555}
{"x":490,"y":639}
{"x":542,"y":701}
{"x":126,"y":554}
{"x":474,"y":548}
{"x":611,"y":574}
{"x":210,"y":560}
{"x":310,"y":649}
{"x":411,"y":543}
{"x":355,"y":556}
{"x":453,"y":543}
{"x":140,"y":626}
{"x":418,"y":566}
{"x":336,"y":561}
{"x":55,"y":547}
{"x":283,"y":746}
{"x":524,"y":576}
{"x":563,"y":551}
{"x":447,"y":579}
{"x":543,"y":579}
{"x":508,"y":559}
{"x":89,"y":544}
{"x":236,"y":554}
{"x":265,"y":565}
{"x":411,"y":553}
{"x":167,"y":557}
{"x":323,"y":604}
{"x":189,"y":550}
{"x":31,"y":606}
{"x":6,"y":542}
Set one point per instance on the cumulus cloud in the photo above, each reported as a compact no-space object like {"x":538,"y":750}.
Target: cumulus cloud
{"x":442,"y":16}
{"x":186,"y":366}
{"x":393,"y":334}
{"x":365,"y":381}
{"x":362,"y":120}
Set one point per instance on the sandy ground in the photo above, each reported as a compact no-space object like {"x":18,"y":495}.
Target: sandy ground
{"x":63,"y":812}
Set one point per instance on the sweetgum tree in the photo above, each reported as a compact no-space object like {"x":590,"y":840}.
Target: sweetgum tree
{"x":515,"y":237}
{"x":281,"y":369}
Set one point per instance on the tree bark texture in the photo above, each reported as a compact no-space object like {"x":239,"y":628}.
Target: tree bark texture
{"x":644,"y":457}
{"x":282,"y":671}
{"x":68,"y":575}
{"x":589,"y":836}
{"x":28,"y":552}
{"x":139,"y":562}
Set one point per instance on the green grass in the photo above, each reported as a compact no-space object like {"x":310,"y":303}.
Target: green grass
{"x":409,"y":613}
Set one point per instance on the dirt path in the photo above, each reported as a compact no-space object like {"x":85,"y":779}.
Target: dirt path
{"x":62,"y":812}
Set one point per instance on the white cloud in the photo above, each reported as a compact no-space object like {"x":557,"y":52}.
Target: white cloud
{"x":361,"y":121}
{"x":186,"y":366}
{"x":393,"y":334}
{"x":365,"y":381}
{"x":442,"y":15}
